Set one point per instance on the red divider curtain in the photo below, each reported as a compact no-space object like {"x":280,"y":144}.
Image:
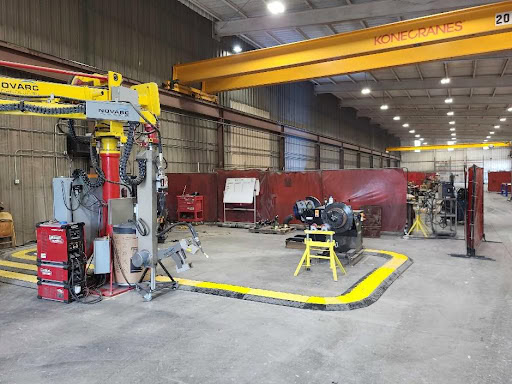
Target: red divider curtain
{"x":280,"y":190}
{"x":475,"y":210}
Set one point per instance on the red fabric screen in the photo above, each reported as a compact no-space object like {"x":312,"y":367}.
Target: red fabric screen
{"x":494,"y":180}
{"x":384,"y":187}
{"x":280,"y":190}
{"x":475,"y":209}
{"x":418,"y":177}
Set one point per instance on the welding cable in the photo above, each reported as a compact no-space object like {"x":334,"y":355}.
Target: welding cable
{"x":125,"y":156}
{"x":71,"y":209}
{"x":155,"y":128}
{"x":142,"y":227}
{"x":85,"y":293}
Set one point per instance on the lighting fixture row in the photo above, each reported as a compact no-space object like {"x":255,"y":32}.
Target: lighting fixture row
{"x":367,"y":90}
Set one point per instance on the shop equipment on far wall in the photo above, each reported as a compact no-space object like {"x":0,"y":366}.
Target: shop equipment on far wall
{"x":332,"y":216}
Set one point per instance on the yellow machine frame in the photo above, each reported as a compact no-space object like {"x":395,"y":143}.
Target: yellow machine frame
{"x":452,"y":34}
{"x":58,"y":96}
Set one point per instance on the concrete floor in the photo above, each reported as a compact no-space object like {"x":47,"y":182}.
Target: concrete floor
{"x":445,"y":320}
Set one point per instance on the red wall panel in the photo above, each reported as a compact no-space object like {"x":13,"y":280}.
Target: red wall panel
{"x":280,"y":190}
{"x":384,"y":187}
{"x":494,"y":180}
{"x":287,"y":187}
{"x":204,"y":183}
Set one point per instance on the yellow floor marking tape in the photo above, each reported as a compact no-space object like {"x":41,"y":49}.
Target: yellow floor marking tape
{"x":13,"y":264}
{"x":360,"y":292}
{"x":24,"y":254}
{"x":18,"y":276}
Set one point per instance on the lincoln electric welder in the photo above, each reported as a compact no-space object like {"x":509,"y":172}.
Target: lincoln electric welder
{"x":61,"y":261}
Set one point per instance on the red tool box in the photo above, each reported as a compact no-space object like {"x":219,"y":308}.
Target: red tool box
{"x":61,"y":260}
{"x":190,"y":208}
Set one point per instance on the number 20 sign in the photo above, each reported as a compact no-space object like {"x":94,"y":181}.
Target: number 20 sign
{"x":504,"y":18}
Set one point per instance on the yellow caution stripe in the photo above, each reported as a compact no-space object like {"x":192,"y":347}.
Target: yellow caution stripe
{"x":362,"y":294}
{"x":24,"y":254}
{"x":18,"y":276}
{"x":14,"y":264}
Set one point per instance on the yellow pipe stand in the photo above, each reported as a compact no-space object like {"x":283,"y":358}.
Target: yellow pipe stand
{"x":327,"y":245}
{"x":418,"y":224}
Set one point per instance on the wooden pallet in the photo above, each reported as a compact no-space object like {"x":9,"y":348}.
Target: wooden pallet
{"x":269,"y":230}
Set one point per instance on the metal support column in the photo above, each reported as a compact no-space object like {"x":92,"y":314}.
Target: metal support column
{"x":317,"y":156}
{"x":342,"y":158}
{"x":371,"y":161}
{"x":358,"y":159}
{"x":282,"y":149}
{"x":220,"y":143}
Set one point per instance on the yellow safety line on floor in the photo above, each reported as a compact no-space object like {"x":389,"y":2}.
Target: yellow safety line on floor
{"x":18,"y":276}
{"x":360,"y":292}
{"x":14,"y":264}
{"x":24,"y":254}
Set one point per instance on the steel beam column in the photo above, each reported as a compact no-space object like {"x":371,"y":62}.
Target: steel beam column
{"x":282,"y":150}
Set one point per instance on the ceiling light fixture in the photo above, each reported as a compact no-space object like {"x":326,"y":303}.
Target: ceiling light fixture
{"x":452,"y":129}
{"x":417,"y":151}
{"x":237,"y":49}
{"x":454,"y":134}
{"x":384,"y":107}
{"x":396,"y":118}
{"x":421,"y":139}
{"x":276,"y":7}
{"x":486,"y":148}
{"x":451,"y":122}
{"x":450,"y":142}
{"x":451,"y":113}
{"x":446,"y":80}
{"x":366,"y":91}
{"x":510,"y":109}
{"x":497,"y":126}
{"x":492,"y":132}
{"x":406,"y":125}
{"x":487,"y":137}
{"x":417,"y":135}
{"x":412,"y":131}
{"x":485,"y":141}
{"x":425,"y":143}
{"x":448,"y":100}
{"x":503,"y":119}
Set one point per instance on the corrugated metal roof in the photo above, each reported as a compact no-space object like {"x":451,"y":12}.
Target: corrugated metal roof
{"x":494,"y":65}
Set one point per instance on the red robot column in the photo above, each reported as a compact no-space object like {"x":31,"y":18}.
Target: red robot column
{"x":109,"y":155}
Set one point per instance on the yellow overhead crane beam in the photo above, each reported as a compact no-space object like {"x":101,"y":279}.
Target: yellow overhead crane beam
{"x":452,"y":146}
{"x":436,"y":37}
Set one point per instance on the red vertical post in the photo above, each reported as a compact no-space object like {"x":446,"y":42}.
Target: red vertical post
{"x":109,"y":156}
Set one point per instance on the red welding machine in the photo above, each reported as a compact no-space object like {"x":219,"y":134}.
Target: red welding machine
{"x":61,"y":261}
